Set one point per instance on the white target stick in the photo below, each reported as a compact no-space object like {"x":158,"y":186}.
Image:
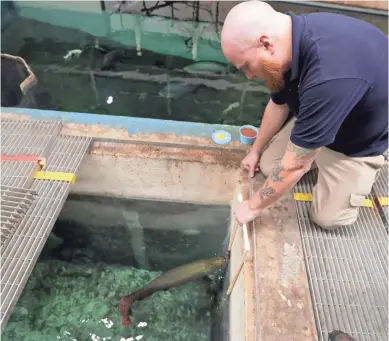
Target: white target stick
{"x":244,"y":228}
{"x":246,"y":251}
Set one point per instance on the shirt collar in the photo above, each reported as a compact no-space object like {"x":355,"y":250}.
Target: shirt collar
{"x":298,"y":27}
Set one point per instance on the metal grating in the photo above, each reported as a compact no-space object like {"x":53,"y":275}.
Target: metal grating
{"x":28,"y":137}
{"x":25,"y":137}
{"x":381,"y":189}
{"x":23,"y":249}
{"x":348,"y":272}
{"x":17,"y":173}
{"x":15,"y":202}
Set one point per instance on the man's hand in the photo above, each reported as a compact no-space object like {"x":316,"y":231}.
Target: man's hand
{"x":244,"y":214}
{"x":251,"y":162}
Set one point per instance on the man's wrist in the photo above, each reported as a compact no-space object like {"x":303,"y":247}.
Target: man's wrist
{"x":253,"y":206}
{"x":256,"y":150}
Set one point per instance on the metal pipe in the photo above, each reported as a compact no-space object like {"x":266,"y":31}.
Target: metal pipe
{"x":335,"y":6}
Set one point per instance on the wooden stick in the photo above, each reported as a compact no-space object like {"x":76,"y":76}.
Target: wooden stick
{"x":235,"y":227}
{"x":233,"y":235}
{"x":235,"y":278}
{"x":246,"y":244}
{"x":245,"y":233}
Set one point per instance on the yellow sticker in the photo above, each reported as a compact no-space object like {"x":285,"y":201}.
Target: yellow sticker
{"x":303,"y":196}
{"x":220,"y":136}
{"x":383,"y":201}
{"x":56,"y":176}
{"x":309,"y":197}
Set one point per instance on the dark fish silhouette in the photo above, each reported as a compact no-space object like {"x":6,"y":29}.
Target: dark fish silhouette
{"x":337,"y":335}
{"x":177,"y":89}
{"x":113,"y":57}
{"x":172,"y":278}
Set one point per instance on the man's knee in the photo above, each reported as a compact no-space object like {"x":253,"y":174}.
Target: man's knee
{"x":266,"y":164}
{"x":332,"y":221}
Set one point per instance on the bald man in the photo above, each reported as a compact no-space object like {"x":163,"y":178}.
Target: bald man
{"x":330,"y":74}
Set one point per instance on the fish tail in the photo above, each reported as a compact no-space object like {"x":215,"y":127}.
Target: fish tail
{"x":125,"y":306}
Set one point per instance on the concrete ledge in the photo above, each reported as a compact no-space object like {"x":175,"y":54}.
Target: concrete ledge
{"x":283,"y":299}
{"x":132,"y":128}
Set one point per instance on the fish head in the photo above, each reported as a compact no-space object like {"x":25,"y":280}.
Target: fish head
{"x":125,"y":309}
{"x":217,"y":262}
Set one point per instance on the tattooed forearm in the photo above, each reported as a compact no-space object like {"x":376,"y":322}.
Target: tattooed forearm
{"x":284,"y":175}
{"x":266,"y":192}
{"x":298,"y":150}
{"x":301,"y":155}
{"x":276,"y":175}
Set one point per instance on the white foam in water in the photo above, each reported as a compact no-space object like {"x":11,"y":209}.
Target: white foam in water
{"x":107,"y":322}
{"x":142,"y":324}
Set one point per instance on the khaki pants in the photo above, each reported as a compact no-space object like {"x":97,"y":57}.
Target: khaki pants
{"x":343,"y":182}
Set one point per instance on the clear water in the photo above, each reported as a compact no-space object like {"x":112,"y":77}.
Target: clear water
{"x":91,"y":259}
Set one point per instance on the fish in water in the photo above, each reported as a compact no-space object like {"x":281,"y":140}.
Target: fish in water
{"x":230,"y":107}
{"x":111,"y":58}
{"x":72,"y":53}
{"x":170,"y":279}
{"x":207,"y":68}
{"x":175,"y":90}
{"x":337,"y":335}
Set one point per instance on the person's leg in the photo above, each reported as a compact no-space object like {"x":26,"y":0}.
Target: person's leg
{"x":342,"y":186}
{"x":275,"y":150}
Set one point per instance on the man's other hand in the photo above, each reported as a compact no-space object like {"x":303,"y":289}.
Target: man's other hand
{"x":251,"y":162}
{"x":244,"y":214}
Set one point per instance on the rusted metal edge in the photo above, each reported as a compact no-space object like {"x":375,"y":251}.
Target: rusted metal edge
{"x":108,"y":141}
{"x":173,"y":152}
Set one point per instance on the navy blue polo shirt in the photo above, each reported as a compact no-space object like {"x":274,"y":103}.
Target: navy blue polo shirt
{"x":337,"y":86}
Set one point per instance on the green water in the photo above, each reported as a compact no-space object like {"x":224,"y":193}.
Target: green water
{"x":170,"y":38}
{"x":96,"y":254}
{"x":63,"y":301}
{"x":43,"y":35}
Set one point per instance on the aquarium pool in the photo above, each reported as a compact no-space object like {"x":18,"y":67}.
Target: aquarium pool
{"x":102,"y":248}
{"x":142,"y":204}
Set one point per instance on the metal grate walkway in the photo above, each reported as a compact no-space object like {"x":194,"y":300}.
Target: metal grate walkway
{"x":20,"y":253}
{"x":347,"y":272}
{"x":15,"y":202}
{"x":28,"y":138}
{"x":381,"y":190}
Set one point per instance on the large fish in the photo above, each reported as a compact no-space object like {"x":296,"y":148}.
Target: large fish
{"x":177,"y":89}
{"x":207,"y":68}
{"x":170,"y":279}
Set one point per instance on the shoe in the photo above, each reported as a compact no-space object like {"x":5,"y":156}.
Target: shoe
{"x":337,"y":335}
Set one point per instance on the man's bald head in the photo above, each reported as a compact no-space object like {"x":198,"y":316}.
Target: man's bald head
{"x":257,"y":39}
{"x":247,"y":21}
